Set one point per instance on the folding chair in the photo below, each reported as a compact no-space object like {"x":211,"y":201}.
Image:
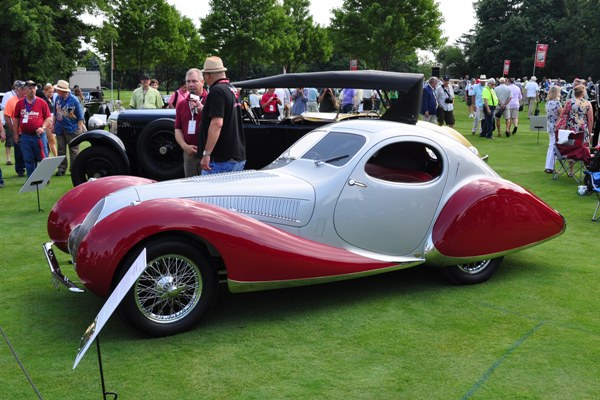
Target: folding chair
{"x":572,"y":152}
{"x":562,"y":166}
{"x":595,"y":185}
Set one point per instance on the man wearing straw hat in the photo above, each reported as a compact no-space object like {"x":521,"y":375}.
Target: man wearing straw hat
{"x":69,"y":122}
{"x":222,"y":140}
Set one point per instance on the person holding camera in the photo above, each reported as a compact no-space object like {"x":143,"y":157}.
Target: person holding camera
{"x":445,"y":96}
{"x":269,"y":104}
{"x":328,"y":102}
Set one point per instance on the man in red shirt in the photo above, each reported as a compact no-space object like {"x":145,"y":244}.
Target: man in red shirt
{"x":269,"y":102}
{"x":30,"y":120}
{"x":188,"y":115}
{"x":9,"y":113}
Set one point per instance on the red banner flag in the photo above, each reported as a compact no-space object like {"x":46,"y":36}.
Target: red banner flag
{"x":540,"y":55}
{"x":506,"y":67}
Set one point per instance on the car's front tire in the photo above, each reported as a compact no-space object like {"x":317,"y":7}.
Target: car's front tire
{"x":97,"y":161}
{"x":174,"y":293}
{"x":470,"y":274}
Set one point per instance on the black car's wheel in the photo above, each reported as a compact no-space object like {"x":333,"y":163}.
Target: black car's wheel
{"x":174,"y":293}
{"x":95,"y":162}
{"x":469,"y":274}
{"x":159,"y":155}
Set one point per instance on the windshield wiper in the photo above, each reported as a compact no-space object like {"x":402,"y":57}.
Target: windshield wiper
{"x":332,"y":159}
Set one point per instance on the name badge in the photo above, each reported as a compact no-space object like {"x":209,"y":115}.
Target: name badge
{"x":25,"y":118}
{"x":191,"y":127}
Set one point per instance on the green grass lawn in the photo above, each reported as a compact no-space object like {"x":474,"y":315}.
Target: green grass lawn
{"x":531,"y":332}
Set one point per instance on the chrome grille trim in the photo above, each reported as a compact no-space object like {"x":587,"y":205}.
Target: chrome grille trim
{"x":284,"y":209}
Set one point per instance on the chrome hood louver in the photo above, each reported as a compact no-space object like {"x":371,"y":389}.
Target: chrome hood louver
{"x":267,"y":196}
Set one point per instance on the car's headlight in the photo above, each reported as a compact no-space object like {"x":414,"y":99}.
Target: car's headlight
{"x":77,"y":234}
{"x":112,"y":122}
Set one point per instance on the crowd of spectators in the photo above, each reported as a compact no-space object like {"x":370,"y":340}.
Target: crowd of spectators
{"x":35,"y":120}
{"x":490,"y":101}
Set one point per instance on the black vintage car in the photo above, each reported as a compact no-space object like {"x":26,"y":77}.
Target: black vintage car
{"x":142,"y":142}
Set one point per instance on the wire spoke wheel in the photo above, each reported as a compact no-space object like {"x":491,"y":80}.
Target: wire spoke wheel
{"x":176,"y":290}
{"x":472,"y":273}
{"x":169,"y":288}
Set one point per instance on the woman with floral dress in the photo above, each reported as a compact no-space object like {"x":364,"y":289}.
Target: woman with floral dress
{"x":553,"y":111}
{"x":577,"y":116}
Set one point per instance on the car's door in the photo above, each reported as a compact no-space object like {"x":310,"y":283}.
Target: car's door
{"x":389,"y":200}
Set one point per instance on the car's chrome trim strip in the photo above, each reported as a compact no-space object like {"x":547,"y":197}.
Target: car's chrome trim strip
{"x":241,"y":286}
{"x":285,"y":209}
{"x":57,"y":275}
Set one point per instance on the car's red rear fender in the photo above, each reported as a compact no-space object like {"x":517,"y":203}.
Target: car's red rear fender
{"x":492,"y":216}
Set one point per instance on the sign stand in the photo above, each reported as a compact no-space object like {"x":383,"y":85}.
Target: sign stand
{"x":104,"y":392}
{"x":40,"y":177}
{"x":92,"y":332}
{"x":538,"y":122}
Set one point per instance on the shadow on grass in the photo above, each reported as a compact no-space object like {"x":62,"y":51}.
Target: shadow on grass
{"x":75,"y":312}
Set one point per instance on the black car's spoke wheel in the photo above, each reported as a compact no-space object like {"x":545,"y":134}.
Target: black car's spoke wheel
{"x":472,"y":273}
{"x":160,"y":156}
{"x":175,"y":291}
{"x":97,"y":161}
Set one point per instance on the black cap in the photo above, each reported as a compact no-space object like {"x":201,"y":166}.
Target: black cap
{"x":29,"y":83}
{"x":144,"y":77}
{"x":446,"y":78}
{"x":19,"y":84}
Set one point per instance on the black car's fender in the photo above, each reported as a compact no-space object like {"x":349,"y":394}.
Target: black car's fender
{"x":106,"y":156}
{"x":100,"y":136}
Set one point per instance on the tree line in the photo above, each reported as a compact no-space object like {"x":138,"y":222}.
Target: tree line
{"x":42,"y":39}
{"x":510,"y":29}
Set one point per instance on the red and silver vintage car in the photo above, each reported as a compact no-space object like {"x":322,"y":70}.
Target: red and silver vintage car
{"x":349,"y":199}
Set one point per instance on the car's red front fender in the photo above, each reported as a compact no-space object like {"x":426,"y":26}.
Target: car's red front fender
{"x":251,"y":250}
{"x":71,"y":209}
{"x":493,"y":216}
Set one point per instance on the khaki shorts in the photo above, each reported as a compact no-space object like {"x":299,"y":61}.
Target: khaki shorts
{"x":512,"y":113}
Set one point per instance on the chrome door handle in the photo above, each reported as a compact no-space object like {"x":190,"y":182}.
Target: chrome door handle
{"x":352,"y":182}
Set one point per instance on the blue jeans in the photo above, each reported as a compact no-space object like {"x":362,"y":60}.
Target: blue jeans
{"x":225,"y":166}
{"x":32,"y":150}
{"x":19,"y":162}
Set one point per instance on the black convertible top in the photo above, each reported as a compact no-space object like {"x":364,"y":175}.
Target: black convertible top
{"x":409,"y":87}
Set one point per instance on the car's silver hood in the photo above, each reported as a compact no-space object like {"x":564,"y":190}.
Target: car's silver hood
{"x":270,"y":196}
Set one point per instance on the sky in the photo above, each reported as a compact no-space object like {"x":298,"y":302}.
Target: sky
{"x":459,"y":15}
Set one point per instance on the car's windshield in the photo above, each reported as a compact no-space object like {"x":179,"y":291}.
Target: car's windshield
{"x":335,"y":148}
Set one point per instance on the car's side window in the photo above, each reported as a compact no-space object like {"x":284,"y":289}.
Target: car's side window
{"x":406,"y":162}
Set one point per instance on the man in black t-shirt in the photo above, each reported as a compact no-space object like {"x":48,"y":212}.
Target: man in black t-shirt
{"x":222,"y":137}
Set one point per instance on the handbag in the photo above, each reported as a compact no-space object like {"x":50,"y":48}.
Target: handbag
{"x":499,"y":112}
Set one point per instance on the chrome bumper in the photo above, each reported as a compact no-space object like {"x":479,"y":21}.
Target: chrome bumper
{"x":57,"y":275}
